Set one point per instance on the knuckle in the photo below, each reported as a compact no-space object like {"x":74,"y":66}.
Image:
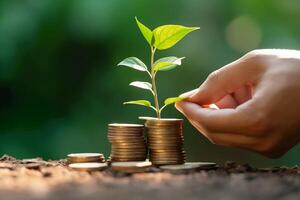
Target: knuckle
{"x":214,"y":76}
{"x":254,"y":54}
{"x":258,"y":56}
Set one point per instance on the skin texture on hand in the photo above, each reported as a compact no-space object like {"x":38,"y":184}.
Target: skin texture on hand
{"x":258,"y":97}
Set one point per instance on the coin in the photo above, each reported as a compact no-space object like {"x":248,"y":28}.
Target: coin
{"x":124,"y":125}
{"x":126,"y":159}
{"x":190,"y":166}
{"x":131,"y":167}
{"x":127,"y":154}
{"x":85,"y":157}
{"x":88,"y":166}
{"x":167,"y":162}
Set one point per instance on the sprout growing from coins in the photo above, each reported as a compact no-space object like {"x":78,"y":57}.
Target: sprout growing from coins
{"x":161,"y":38}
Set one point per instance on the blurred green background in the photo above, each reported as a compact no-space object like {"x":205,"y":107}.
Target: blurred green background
{"x":60,"y":87}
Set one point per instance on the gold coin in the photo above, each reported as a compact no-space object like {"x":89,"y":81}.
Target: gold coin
{"x":171,"y":156}
{"x":125,"y":132}
{"x":130,"y":146}
{"x":120,"y":125}
{"x":125,"y":135}
{"x":165,"y":140}
{"x":166,"y":162}
{"x":164,"y":121}
{"x":124,"y":142}
{"x":135,"y":140}
{"x":144,"y":149}
{"x":138,"y":152}
{"x":167,"y":151}
{"x":85,"y":157}
{"x":126,"y":159}
{"x":125,"y":138}
{"x":169,"y":129}
{"x":88,"y":166}
{"x":164,"y":134}
{"x":131,"y":167}
{"x":164,"y":146}
{"x":114,"y":158}
{"x":189,"y":166}
{"x":128,"y":153}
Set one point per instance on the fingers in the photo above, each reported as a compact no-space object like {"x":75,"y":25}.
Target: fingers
{"x":226,"y":80}
{"x":226,"y":132}
{"x":227,"y":139}
{"x":211,"y":120}
{"x":227,"y":102}
{"x":243,"y":94}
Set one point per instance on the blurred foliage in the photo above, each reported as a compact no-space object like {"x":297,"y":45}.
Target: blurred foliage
{"x":60,"y":87}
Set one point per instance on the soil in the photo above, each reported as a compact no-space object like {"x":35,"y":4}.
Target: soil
{"x":39,"y":179}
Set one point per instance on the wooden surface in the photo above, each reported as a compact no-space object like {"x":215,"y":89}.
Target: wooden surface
{"x":38,"y":179}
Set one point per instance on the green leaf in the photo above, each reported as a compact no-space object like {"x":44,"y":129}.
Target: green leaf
{"x":143,"y":85}
{"x":147,"y":33}
{"x":139,"y":102}
{"x":167,"y":63}
{"x":168,"y":35}
{"x":171,"y":100}
{"x":134,"y":63}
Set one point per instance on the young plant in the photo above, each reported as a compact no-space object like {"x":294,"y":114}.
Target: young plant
{"x":161,"y":38}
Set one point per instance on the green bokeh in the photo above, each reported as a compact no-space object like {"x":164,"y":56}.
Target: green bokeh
{"x":60,"y":87}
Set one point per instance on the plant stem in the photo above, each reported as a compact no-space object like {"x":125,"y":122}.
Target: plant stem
{"x":154,"y":84}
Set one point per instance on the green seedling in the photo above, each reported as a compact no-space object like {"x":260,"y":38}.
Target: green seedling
{"x":161,"y":38}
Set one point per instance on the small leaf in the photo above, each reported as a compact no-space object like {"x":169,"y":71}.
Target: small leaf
{"x":147,"y":33}
{"x":168,"y":35}
{"x":167,"y":63}
{"x":139,"y":102}
{"x":171,"y":100}
{"x":143,"y":85}
{"x":134,"y":63}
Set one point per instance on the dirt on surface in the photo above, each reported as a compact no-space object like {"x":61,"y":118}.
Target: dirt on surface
{"x":38,"y":179}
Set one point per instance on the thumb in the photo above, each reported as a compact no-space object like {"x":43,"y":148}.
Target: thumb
{"x":226,"y":80}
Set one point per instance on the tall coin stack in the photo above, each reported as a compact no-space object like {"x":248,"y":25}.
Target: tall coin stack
{"x":127,"y":142}
{"x":165,"y":141}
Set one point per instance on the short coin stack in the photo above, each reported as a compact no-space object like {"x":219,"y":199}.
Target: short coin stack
{"x":86,"y":157}
{"x":165,"y":141}
{"x":127,"y":142}
{"x":87,"y":161}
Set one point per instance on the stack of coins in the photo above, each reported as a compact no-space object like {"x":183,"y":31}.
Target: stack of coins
{"x":127,"y":142}
{"x":87,"y":161}
{"x":165,"y":141}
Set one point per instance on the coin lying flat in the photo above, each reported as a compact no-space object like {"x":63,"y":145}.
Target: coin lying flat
{"x":120,"y":125}
{"x":85,"y":157}
{"x":131,"y":167}
{"x":190,"y":166}
{"x":88,"y":166}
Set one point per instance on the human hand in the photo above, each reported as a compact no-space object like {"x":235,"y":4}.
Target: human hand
{"x":258,"y":98}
